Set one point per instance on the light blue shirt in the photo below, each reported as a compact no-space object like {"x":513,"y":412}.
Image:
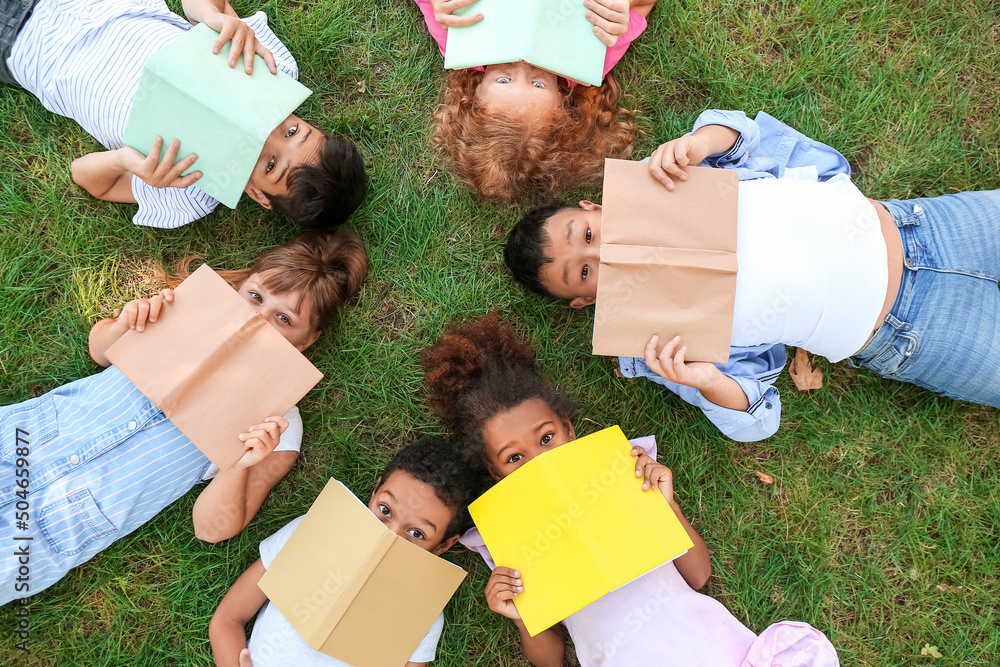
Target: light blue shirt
{"x":765,"y":148}
{"x":102,"y":460}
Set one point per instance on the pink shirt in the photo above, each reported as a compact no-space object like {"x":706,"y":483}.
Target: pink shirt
{"x":636,"y":26}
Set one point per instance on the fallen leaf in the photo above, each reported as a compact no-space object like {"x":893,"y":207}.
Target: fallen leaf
{"x":764,"y":477}
{"x":942,"y":587}
{"x":361,"y":86}
{"x":913,"y":574}
{"x":932,"y":651}
{"x":803,"y":374}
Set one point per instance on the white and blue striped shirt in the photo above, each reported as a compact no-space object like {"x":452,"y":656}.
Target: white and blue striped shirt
{"x":102,"y":460}
{"x":83,"y":59}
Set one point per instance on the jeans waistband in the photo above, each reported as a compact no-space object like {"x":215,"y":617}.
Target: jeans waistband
{"x":13,"y":15}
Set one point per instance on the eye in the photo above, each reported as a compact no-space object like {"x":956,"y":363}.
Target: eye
{"x":514,"y":458}
{"x":546,"y":439}
{"x":416,"y":533}
{"x":585,"y":272}
{"x":292,"y":130}
{"x":538,"y":84}
{"x":384,"y":509}
{"x":256,"y":296}
{"x":284,"y":319}
{"x":503,"y":79}
{"x":269,"y":167}
{"x":590,"y":235}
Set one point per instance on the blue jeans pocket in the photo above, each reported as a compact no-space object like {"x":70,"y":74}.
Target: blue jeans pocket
{"x":26,"y":425}
{"x":895,"y":359}
{"x":73,"y":522}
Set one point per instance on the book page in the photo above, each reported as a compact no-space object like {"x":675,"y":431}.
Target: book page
{"x":501,"y":37}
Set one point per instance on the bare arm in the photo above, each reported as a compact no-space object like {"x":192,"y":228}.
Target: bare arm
{"x":137,"y":315}
{"x":642,"y":6}
{"x":670,"y":158}
{"x":716,"y":386}
{"x":227,"y":629}
{"x":546,"y":649}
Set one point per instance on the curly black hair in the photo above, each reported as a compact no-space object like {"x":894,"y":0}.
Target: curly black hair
{"x":524,"y":252}
{"x":479,"y":370}
{"x":441,"y":465}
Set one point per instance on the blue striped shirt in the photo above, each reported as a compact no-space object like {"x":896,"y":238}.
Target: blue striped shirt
{"x":102,"y":460}
{"x":83,"y":59}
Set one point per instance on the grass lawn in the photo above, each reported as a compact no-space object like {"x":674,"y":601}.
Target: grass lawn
{"x":881,"y":527}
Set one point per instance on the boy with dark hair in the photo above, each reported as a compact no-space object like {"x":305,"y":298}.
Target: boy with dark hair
{"x":83,"y":59}
{"x":821,"y":267}
{"x":422,"y":495}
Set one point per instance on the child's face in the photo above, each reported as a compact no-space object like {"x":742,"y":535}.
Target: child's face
{"x":519,"y":87}
{"x":289,"y":313}
{"x":294,"y":142}
{"x":515,"y":437}
{"x":412,"y":510}
{"x":575,"y":249}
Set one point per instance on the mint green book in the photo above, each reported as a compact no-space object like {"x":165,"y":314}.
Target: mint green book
{"x":218,"y":112}
{"x":554,"y":35}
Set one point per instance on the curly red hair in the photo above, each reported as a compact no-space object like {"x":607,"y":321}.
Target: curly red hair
{"x":511,"y":157}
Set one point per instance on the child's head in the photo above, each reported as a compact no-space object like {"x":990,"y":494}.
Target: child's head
{"x":298,"y":287}
{"x":515,"y":131}
{"x":482,"y":380}
{"x":423,"y":494}
{"x":310,"y":175}
{"x":555,"y":251}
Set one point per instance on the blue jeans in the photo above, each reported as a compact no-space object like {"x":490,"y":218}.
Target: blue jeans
{"x":13,"y":14}
{"x":943,"y":331}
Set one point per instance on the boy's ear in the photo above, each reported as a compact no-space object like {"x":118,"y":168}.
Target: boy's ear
{"x":568,"y":425}
{"x":258,"y":196}
{"x":445,"y":545}
{"x":582,"y":301}
{"x":301,"y":347}
{"x":589,"y":205}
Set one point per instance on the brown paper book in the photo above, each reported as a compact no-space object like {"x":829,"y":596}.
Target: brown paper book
{"x":352,"y":589}
{"x":214,"y":366}
{"x":668,"y":262}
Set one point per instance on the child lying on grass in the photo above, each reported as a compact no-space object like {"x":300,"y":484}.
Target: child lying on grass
{"x":422,"y":495}
{"x":907,"y":289}
{"x":482,"y":381}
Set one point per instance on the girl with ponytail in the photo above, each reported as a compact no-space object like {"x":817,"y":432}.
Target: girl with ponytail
{"x":104,"y":460}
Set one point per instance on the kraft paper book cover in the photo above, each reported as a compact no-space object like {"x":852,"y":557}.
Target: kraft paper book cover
{"x":343,"y":578}
{"x":554,"y":35}
{"x":214,"y":366}
{"x":668,"y":262}
{"x":577,"y":524}
{"x":216,"y":111}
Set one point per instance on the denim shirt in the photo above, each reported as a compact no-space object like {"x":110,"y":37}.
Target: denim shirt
{"x":765,"y":148}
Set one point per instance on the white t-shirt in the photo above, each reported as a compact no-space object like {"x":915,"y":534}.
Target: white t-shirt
{"x":83,"y":59}
{"x":290,"y":441}
{"x":275,"y":642}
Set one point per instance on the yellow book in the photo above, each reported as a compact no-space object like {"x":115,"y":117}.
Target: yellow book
{"x":577,"y":524}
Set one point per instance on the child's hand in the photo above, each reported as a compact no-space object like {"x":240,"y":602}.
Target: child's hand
{"x":671,"y":158}
{"x":444,"y":12}
{"x":504,"y":585}
{"x":156,"y":172}
{"x":654,"y":474}
{"x":232,"y":29}
{"x":610,"y":19}
{"x":137,"y":313}
{"x":261,"y":440}
{"x":670,"y":365}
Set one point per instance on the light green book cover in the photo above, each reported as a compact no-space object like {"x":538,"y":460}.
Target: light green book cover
{"x":218,"y":112}
{"x":552,"y":34}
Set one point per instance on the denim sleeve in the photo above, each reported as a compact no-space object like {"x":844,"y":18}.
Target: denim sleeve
{"x":758,"y":422}
{"x":746,"y":144}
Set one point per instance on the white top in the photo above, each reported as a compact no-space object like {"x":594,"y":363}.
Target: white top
{"x":812,"y":264}
{"x":83,"y":59}
{"x":275,"y":642}
{"x":290,"y":441}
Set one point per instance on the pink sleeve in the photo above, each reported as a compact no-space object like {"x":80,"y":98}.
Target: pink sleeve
{"x":440,"y":35}
{"x":636,"y":26}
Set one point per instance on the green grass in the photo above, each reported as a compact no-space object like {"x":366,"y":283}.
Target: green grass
{"x":881,"y":529}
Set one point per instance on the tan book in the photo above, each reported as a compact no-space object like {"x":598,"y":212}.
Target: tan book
{"x":668,"y":262}
{"x":214,"y":366}
{"x":352,"y":589}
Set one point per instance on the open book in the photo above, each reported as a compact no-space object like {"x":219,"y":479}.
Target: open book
{"x":554,"y":35}
{"x":668,"y":262}
{"x":577,"y":524}
{"x":214,"y":366}
{"x":219,"y":112}
{"x":353,"y":590}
